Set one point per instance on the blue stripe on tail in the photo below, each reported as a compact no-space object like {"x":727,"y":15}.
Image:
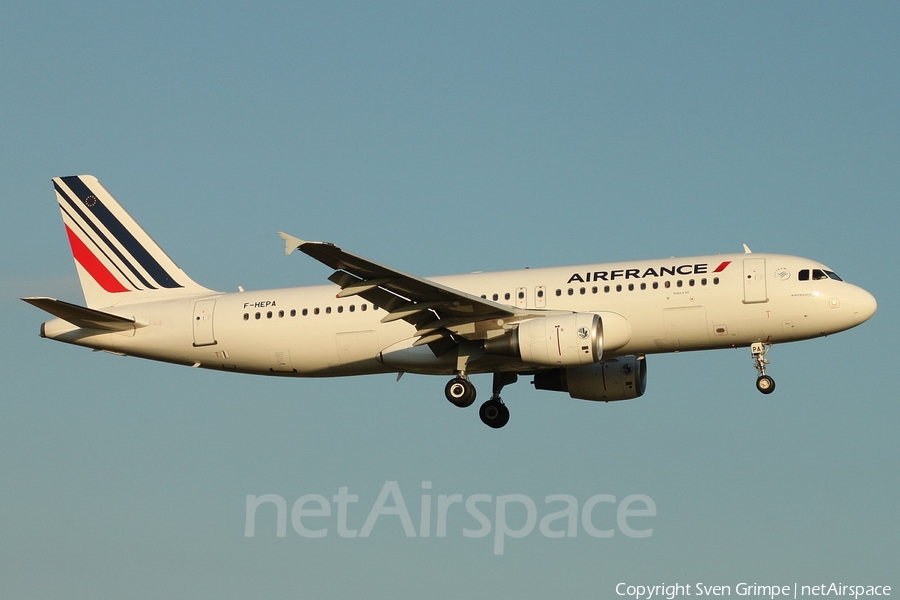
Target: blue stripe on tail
{"x":120,"y":232}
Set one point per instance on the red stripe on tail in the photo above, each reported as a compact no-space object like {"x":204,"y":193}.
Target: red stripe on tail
{"x":92,"y":265}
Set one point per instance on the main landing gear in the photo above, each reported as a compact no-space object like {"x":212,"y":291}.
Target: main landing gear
{"x":764,"y":383}
{"x":460,"y":391}
{"x":494,"y":413}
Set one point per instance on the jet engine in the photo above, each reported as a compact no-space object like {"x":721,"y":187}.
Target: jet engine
{"x":555,"y":341}
{"x":621,"y":378}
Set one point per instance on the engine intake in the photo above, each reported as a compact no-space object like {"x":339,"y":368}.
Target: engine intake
{"x":616,"y":379}
{"x":556,"y":341}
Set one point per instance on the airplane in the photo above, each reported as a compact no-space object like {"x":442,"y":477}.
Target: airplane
{"x":585,"y":330}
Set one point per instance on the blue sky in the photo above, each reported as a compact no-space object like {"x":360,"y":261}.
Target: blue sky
{"x":441,"y":139}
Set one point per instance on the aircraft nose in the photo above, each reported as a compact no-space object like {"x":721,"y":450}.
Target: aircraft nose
{"x":864,"y":305}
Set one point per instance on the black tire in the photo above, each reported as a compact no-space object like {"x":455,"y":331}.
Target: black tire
{"x":494,"y":414}
{"x":765,"y":384}
{"x":504,"y":416}
{"x":460,"y":392}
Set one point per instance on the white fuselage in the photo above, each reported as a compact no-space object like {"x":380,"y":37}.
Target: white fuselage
{"x":665,"y":305}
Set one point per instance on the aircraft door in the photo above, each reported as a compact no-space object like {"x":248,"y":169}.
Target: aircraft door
{"x":755,"y":281}
{"x":521,"y":297}
{"x":203,"y":323}
{"x":540,"y":296}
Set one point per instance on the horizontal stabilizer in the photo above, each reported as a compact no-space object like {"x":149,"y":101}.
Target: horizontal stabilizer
{"x":80,"y":316}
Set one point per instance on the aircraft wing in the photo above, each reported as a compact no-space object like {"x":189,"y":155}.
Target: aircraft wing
{"x":439,"y":312}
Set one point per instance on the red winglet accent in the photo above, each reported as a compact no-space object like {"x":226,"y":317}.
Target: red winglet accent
{"x":92,"y":265}
{"x":721,"y":267}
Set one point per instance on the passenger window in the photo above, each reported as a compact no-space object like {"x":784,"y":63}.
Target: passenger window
{"x":506,"y":296}
{"x":362,"y":308}
{"x":246,"y":316}
{"x":340,"y":309}
{"x":540,"y":293}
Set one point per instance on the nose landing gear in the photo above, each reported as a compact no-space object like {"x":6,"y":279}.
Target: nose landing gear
{"x":764,"y":383}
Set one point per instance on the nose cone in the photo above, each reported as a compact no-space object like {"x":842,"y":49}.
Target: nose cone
{"x":864,"y":305}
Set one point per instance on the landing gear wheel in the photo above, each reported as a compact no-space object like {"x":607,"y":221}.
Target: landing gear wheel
{"x":765,"y":384}
{"x":494,"y":413}
{"x":460,"y":392}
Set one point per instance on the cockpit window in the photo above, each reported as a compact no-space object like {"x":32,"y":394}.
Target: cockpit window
{"x":817,"y":274}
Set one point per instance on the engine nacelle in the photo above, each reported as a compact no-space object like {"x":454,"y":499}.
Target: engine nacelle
{"x":621,"y":378}
{"x":554,"y":341}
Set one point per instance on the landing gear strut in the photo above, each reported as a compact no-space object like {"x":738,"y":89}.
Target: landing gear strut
{"x":459,"y":390}
{"x":494,"y":413}
{"x":764,"y":383}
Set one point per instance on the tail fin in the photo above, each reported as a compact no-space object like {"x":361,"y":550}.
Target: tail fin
{"x":117,"y":262}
